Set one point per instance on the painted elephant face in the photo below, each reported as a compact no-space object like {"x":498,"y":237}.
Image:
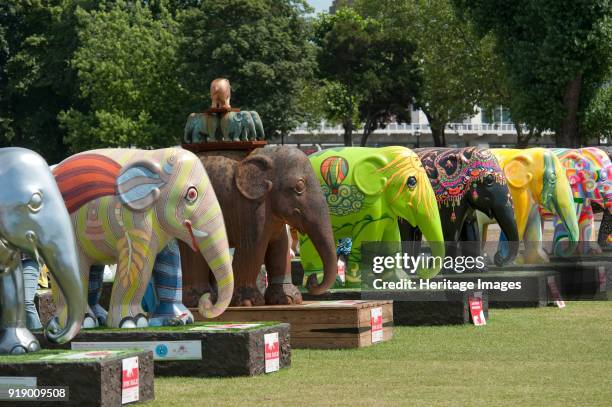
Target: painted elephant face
{"x":402,"y":180}
{"x":177,"y":186}
{"x":33,"y":219}
{"x":467,"y":179}
{"x":536,"y":175}
{"x":466,"y":173}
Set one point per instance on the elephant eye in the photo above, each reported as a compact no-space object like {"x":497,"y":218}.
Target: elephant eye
{"x":36,"y":202}
{"x":411,"y":182}
{"x":192,"y":195}
{"x":300,"y":187}
{"x":489,"y":179}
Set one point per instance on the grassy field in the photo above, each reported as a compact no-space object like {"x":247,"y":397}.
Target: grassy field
{"x":522,"y":357}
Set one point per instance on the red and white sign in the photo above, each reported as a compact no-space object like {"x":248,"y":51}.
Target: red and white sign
{"x":130,"y":387}
{"x":342,"y":270}
{"x":554,"y":291}
{"x":272,"y":352}
{"x":477,"y":309}
{"x":376,"y":322}
{"x":603,"y":278}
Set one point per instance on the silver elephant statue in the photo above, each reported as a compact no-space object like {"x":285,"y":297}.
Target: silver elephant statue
{"x":34,"y":220}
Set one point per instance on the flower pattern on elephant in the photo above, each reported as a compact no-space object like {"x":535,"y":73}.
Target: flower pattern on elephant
{"x":451,"y":180}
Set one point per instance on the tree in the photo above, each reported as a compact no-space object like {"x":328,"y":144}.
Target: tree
{"x":553,"y":51}
{"x":596,"y":123}
{"x":371,"y":68}
{"x":37,"y":39}
{"x":126,"y":66}
{"x":261,"y":46}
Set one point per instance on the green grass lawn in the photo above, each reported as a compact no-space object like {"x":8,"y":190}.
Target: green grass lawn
{"x":523,"y":356}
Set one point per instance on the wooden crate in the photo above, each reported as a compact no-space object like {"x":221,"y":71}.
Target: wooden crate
{"x":320,"y":324}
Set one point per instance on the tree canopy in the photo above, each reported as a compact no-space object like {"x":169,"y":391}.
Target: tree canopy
{"x":554,"y":53}
{"x":261,"y":46}
{"x":126,"y":68}
{"x":369,"y":66}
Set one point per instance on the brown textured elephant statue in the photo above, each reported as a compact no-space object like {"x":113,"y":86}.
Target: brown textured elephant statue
{"x":220,"y":94}
{"x":259,"y":194}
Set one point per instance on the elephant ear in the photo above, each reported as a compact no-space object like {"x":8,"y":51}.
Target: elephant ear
{"x":368,"y":177}
{"x":253,"y":177}
{"x":139,"y":184}
{"x":517,"y":171}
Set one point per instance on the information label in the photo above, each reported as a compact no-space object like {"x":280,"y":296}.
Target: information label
{"x":376,"y":322}
{"x":342,"y":270}
{"x":603,"y":278}
{"x":272,"y":352}
{"x":554,"y":291}
{"x":477,"y":309}
{"x":130,"y":385}
{"x":162,"y":350}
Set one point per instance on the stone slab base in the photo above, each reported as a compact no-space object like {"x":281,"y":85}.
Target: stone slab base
{"x":197,"y":350}
{"x":90,"y":378}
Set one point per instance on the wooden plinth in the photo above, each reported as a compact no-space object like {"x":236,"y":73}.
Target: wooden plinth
{"x":224,"y":146}
{"x":415,"y":309}
{"x":321,"y":324}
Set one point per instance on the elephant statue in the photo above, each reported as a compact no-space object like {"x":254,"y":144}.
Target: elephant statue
{"x":34,"y":220}
{"x":536,"y":178}
{"x":220,"y":94}
{"x":466,"y":180}
{"x":259,"y":195}
{"x":367,"y":190}
{"x":589,"y":171}
{"x":233,"y":126}
{"x":127,"y":204}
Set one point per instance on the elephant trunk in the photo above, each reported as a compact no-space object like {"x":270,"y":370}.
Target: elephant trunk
{"x":567,"y":214}
{"x":432,"y":232}
{"x":505,"y":218}
{"x":320,"y":232}
{"x":63,"y":265}
{"x":210,"y":238}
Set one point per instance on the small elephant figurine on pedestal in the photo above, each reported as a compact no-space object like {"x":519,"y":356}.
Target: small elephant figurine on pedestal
{"x":231,"y":126}
{"x":34,"y":220}
{"x":221,"y":122}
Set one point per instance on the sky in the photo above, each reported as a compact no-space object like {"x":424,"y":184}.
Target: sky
{"x":320,"y":5}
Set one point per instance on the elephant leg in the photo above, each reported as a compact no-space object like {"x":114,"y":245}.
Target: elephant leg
{"x":15,"y":337}
{"x":89,"y":321}
{"x":96,"y":282}
{"x":129,"y":287}
{"x":31,"y":273}
{"x":248,"y":258}
{"x":604,"y":236}
{"x":586,"y":229}
{"x":168,"y":290}
{"x":534,"y":252}
{"x":280,"y":289}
